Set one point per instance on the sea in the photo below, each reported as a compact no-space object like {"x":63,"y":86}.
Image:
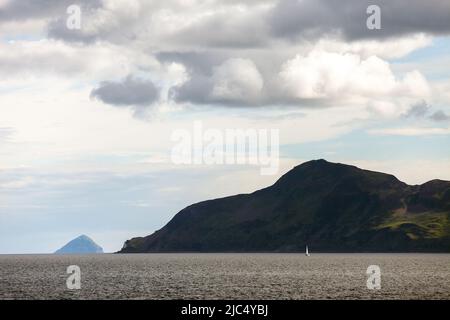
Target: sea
{"x":226,"y":276}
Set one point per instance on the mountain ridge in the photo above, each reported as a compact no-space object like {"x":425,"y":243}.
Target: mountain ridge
{"x":330,"y":206}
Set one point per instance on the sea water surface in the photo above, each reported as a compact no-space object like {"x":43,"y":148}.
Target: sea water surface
{"x":225,"y":276}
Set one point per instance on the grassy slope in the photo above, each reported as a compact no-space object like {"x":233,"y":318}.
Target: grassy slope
{"x":429,"y":225}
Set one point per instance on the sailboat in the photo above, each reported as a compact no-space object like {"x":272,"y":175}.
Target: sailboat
{"x":307,"y":252}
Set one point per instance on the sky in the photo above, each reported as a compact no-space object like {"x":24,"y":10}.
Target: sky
{"x":88,"y":114}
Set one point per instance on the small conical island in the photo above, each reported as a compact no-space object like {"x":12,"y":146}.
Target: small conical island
{"x":81,"y":245}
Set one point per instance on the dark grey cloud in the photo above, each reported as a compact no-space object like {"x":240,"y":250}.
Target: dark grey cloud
{"x":257,"y":25}
{"x":418,"y":110}
{"x":230,"y":29}
{"x":312,"y":19}
{"x":200,"y":66}
{"x":57,"y":29}
{"x":17,"y":10}
{"x":199,"y":89}
{"x":226,"y":27}
{"x":422,"y":110}
{"x":236,"y":81}
{"x":55,"y":12}
{"x":121,"y":31}
{"x":129,"y":92}
{"x":195,"y":90}
{"x":440,"y":116}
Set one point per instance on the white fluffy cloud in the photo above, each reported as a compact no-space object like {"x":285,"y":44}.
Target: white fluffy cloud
{"x":323,"y":74}
{"x":385,"y":48}
{"x":347,"y":77}
{"x":237,"y":80}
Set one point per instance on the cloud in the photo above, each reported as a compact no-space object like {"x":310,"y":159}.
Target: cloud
{"x":111,"y":21}
{"x":45,"y":57}
{"x":312,"y":19}
{"x":38,"y":9}
{"x":5,"y":134}
{"x":421,"y":110}
{"x":17,"y":184}
{"x":233,"y":24}
{"x":176,"y":23}
{"x":235,"y":81}
{"x":197,"y":62}
{"x":130,"y":91}
{"x":410,"y":131}
{"x":231,"y":50}
{"x":316,"y":78}
{"x":440,"y":116}
{"x":322,"y":74}
{"x":382,"y":48}
{"x":418,"y":110}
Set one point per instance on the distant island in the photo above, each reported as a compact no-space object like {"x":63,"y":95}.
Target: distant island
{"x":80,"y":245}
{"x":329,"y":206}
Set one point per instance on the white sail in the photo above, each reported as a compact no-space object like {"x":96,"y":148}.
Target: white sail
{"x":307,"y":252}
